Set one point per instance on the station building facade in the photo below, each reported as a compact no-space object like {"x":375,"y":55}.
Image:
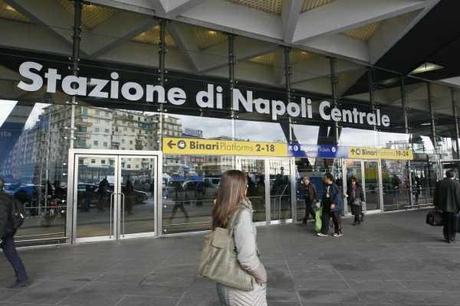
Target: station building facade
{"x":116,"y":124}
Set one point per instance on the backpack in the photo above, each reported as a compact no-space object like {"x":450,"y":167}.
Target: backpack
{"x":18,"y":214}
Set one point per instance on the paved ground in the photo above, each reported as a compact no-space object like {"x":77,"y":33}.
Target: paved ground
{"x":393,"y":259}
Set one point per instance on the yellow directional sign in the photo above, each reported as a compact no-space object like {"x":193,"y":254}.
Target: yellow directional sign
{"x":197,"y":146}
{"x":396,"y":154}
{"x":363,"y":153}
{"x":379,"y":153}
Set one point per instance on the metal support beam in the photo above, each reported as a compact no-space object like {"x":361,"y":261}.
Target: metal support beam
{"x":432,"y":118}
{"x":406,"y":130}
{"x":231,"y":79}
{"x":162,"y":79}
{"x":78,"y":5}
{"x":287,"y":80}
{"x":334,"y":81}
{"x":455,"y":114}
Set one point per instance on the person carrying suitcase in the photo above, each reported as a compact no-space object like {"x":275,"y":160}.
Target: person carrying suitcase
{"x":7,"y":232}
{"x":447,"y":198}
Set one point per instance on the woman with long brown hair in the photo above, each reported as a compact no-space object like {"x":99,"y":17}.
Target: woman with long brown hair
{"x":232,"y":208}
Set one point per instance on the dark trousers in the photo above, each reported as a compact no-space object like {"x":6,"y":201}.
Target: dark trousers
{"x":309,"y":211}
{"x":9,"y":250}
{"x":450,"y":225}
{"x":327,"y":214}
{"x":357,"y":212}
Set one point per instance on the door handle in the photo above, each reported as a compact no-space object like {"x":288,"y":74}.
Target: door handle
{"x":112,"y":195}
{"x":122,"y":198}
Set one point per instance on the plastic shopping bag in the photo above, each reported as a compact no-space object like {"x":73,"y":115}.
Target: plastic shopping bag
{"x":318,"y":222}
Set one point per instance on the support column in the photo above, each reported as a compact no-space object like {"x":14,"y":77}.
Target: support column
{"x":75,"y":60}
{"x":455,"y":114}
{"x":287,"y":79}
{"x":71,"y":218}
{"x":432,"y":119}
{"x":231,"y":79}
{"x":162,"y":50}
{"x":406,"y":130}
{"x":334,"y":81}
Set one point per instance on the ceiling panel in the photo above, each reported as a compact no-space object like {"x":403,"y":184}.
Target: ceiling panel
{"x":309,"y":5}
{"x":92,"y":15}
{"x":152,"y":36}
{"x":8,"y":12}
{"x":363,"y":33}
{"x":268,"y":6}
{"x":266,"y":59}
{"x":207,"y":38}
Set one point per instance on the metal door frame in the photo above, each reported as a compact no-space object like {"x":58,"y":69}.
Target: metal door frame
{"x":363,"y":182}
{"x":379,"y":183}
{"x":72,"y":193}
{"x":268,"y":203}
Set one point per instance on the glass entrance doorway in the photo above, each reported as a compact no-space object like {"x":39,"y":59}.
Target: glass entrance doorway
{"x":269,"y":187}
{"x":368,"y":174}
{"x":114,"y":196}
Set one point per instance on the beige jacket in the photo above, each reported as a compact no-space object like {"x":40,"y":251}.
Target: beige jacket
{"x":245,"y":234}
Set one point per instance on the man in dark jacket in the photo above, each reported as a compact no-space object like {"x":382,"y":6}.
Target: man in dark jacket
{"x":7,"y":233}
{"x":308,"y":193}
{"x":447,"y":198}
{"x":332,"y":205}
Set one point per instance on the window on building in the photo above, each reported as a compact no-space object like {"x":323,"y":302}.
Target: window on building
{"x":97,"y":130}
{"x":129,"y":166}
{"x":105,"y":144}
{"x":95,"y":143}
{"x":93,"y":161}
{"x":107,"y":130}
{"x":103,"y":161}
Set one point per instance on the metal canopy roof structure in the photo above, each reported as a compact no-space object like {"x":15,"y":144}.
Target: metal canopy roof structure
{"x":357,"y":32}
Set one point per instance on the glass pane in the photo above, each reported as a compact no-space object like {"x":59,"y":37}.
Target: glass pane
{"x":424,"y":177}
{"x":396,"y":187}
{"x":280,"y":189}
{"x":138,"y":187}
{"x":189,"y":188}
{"x":95,"y":183}
{"x":255,"y":170}
{"x":371,"y":177}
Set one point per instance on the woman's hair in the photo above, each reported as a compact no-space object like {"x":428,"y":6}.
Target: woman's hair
{"x":353,"y":178}
{"x":232,"y":190}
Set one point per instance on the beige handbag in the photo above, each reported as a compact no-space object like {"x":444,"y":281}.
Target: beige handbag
{"x":219,"y":259}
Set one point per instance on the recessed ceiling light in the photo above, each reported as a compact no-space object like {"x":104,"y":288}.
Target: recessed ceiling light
{"x":212,"y":32}
{"x":10,"y":8}
{"x":426,"y":67}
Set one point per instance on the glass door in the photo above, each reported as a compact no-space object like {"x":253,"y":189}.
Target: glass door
{"x":368,"y":175}
{"x":371,"y":185}
{"x":257,"y":180}
{"x":280,"y":189}
{"x":94,"y":196}
{"x":115,"y":195}
{"x":269,"y":187}
{"x":138,"y":190}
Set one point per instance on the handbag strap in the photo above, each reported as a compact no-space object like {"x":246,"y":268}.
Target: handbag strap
{"x":234,"y":220}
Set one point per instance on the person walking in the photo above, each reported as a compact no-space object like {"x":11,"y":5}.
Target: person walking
{"x":355,"y":196}
{"x":232,"y":208}
{"x":308,"y":192}
{"x":447,"y":198}
{"x":331,"y":203}
{"x":7,"y":242}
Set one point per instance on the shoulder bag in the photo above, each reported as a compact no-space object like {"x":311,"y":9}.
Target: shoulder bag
{"x":219,"y":259}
